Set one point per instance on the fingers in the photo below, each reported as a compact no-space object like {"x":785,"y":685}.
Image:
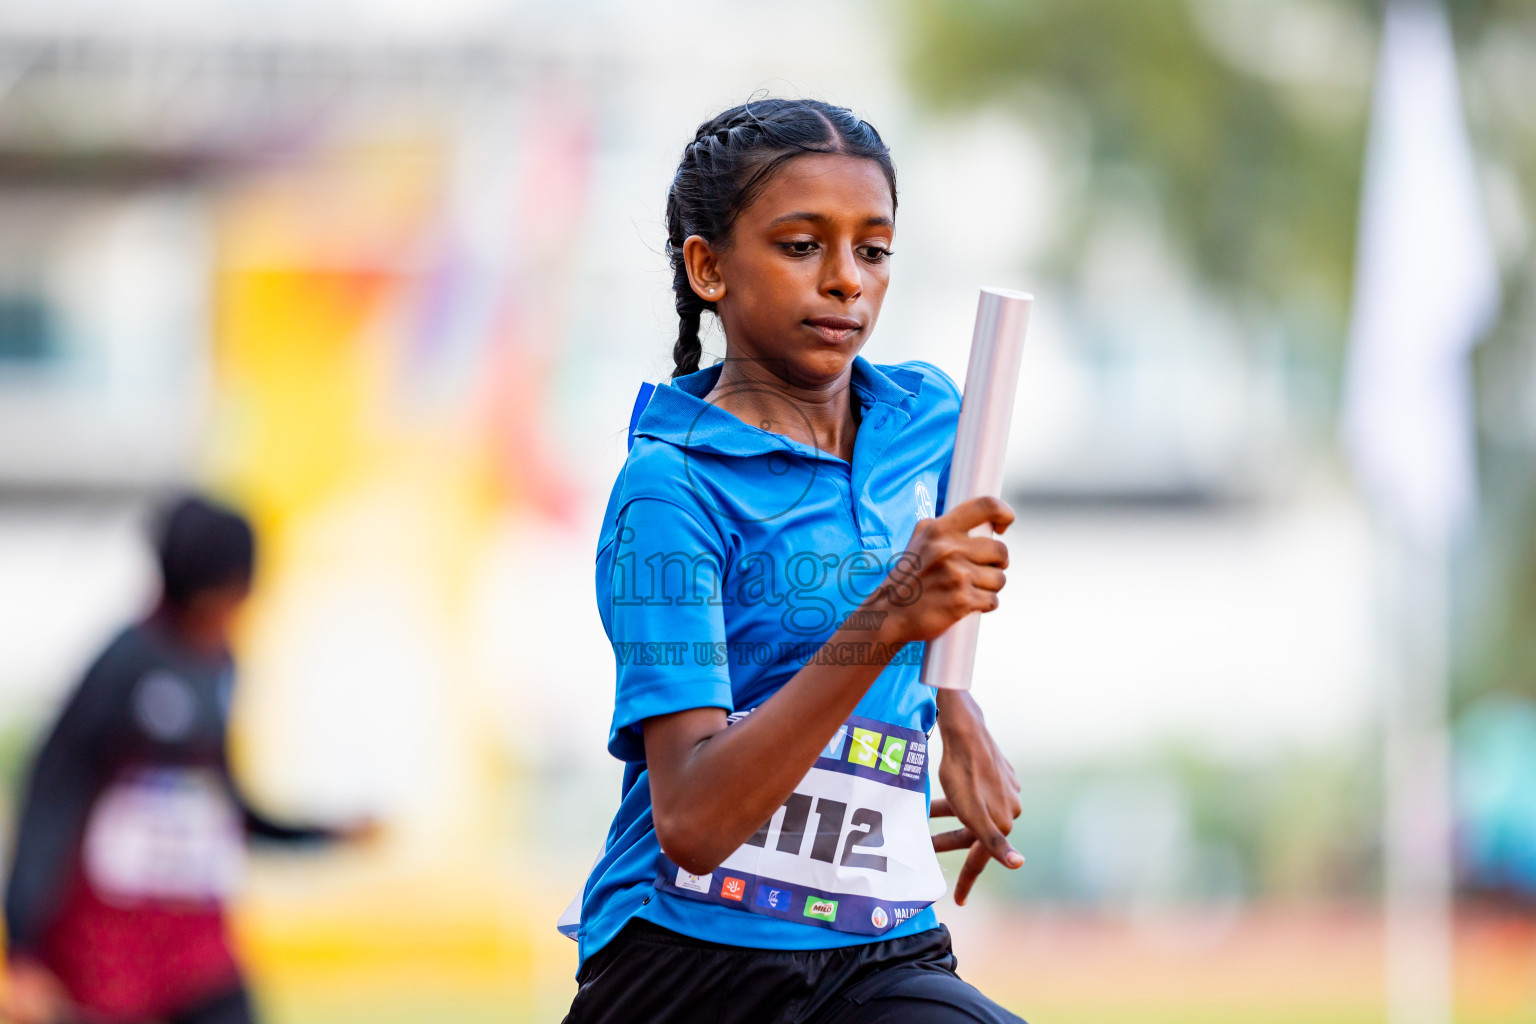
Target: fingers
{"x":994,"y":846}
{"x":993,"y":836}
{"x":986,"y":509}
{"x":984,"y":577}
{"x":999,"y":847}
{"x":975,"y":861}
{"x":985,"y":551}
{"x":940,"y":808}
{"x":955,"y":839}
{"x":988,"y":559}
{"x":983,"y":601}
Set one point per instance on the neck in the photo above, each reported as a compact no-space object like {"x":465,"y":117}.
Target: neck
{"x":819,"y":413}
{"x":199,"y":633}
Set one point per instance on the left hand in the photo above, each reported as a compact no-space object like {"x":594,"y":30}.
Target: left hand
{"x":980,"y":788}
{"x":32,"y":994}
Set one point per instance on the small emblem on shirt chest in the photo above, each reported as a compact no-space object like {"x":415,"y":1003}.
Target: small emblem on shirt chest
{"x":924,"y":501}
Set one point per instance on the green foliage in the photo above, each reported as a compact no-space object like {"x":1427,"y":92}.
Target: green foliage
{"x":1258,"y":181}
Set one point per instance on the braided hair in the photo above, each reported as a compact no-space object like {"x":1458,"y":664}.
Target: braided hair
{"x":728,"y":164}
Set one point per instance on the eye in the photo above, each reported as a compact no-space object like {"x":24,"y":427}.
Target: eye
{"x":801,"y":248}
{"x":875,"y":253}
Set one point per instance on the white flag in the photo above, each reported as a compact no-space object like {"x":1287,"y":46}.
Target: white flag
{"x":1426,"y":287}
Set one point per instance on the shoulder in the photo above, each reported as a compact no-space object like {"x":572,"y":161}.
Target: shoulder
{"x":937,"y":387}
{"x":655,"y":466}
{"x":662,"y":472}
{"x":104,"y":686}
{"x":125,"y":656}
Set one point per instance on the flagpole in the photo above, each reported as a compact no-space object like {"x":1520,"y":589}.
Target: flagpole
{"x":1426,"y":286}
{"x":1416,"y":826}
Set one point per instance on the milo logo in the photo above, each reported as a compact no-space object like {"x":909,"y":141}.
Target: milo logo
{"x":824,"y":910}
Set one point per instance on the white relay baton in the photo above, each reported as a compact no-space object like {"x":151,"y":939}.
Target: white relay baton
{"x":981,"y":439}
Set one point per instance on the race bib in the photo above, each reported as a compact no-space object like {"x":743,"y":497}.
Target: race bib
{"x":849,"y":850}
{"x":165,"y":834}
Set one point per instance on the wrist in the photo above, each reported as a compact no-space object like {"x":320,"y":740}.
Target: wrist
{"x":959,"y":715}
{"x":892,"y":627}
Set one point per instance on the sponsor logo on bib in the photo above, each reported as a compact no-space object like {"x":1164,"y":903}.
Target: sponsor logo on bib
{"x":879,"y":918}
{"x":822,"y":910}
{"x":774,"y":899}
{"x":866,"y":747}
{"x":733,"y":888}
{"x":696,"y":883}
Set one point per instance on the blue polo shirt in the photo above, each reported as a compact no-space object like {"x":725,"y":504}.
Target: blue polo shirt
{"x":728,"y":555}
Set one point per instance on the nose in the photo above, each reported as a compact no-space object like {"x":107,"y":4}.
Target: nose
{"x":841,"y":277}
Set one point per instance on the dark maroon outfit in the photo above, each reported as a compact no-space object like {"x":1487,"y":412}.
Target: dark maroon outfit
{"x":129,"y":836}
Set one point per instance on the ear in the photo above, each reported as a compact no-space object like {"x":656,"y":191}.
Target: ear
{"x":703,"y":269}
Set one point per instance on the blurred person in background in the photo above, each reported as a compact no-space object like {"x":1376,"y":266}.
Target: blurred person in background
{"x":131,"y":832}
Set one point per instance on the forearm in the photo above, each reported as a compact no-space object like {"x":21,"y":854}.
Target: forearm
{"x":58,"y":797}
{"x":731,"y":782}
{"x":259,"y":826}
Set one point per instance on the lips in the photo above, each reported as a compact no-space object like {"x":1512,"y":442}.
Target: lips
{"x":834,"y":329}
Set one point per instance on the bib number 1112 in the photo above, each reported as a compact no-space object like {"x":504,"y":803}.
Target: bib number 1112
{"x":866,"y":832}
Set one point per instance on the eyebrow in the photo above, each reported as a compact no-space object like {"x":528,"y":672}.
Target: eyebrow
{"x":821,"y":218}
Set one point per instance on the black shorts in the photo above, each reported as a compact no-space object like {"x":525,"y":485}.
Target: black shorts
{"x":653,"y":975}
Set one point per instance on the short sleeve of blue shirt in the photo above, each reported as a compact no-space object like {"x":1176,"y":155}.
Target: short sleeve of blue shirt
{"x":665,"y":618}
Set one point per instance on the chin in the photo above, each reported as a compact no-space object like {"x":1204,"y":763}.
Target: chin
{"x":825,"y":362}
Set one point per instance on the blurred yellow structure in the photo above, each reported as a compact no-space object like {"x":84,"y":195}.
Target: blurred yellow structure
{"x":376,"y":502}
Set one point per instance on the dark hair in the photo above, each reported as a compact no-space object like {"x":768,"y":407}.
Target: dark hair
{"x":202,"y":546}
{"x":726,"y":166}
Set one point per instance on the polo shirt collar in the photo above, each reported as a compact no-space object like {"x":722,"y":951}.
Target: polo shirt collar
{"x":678,"y":414}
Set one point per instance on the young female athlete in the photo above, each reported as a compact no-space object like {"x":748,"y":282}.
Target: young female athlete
{"x":769,"y":565}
